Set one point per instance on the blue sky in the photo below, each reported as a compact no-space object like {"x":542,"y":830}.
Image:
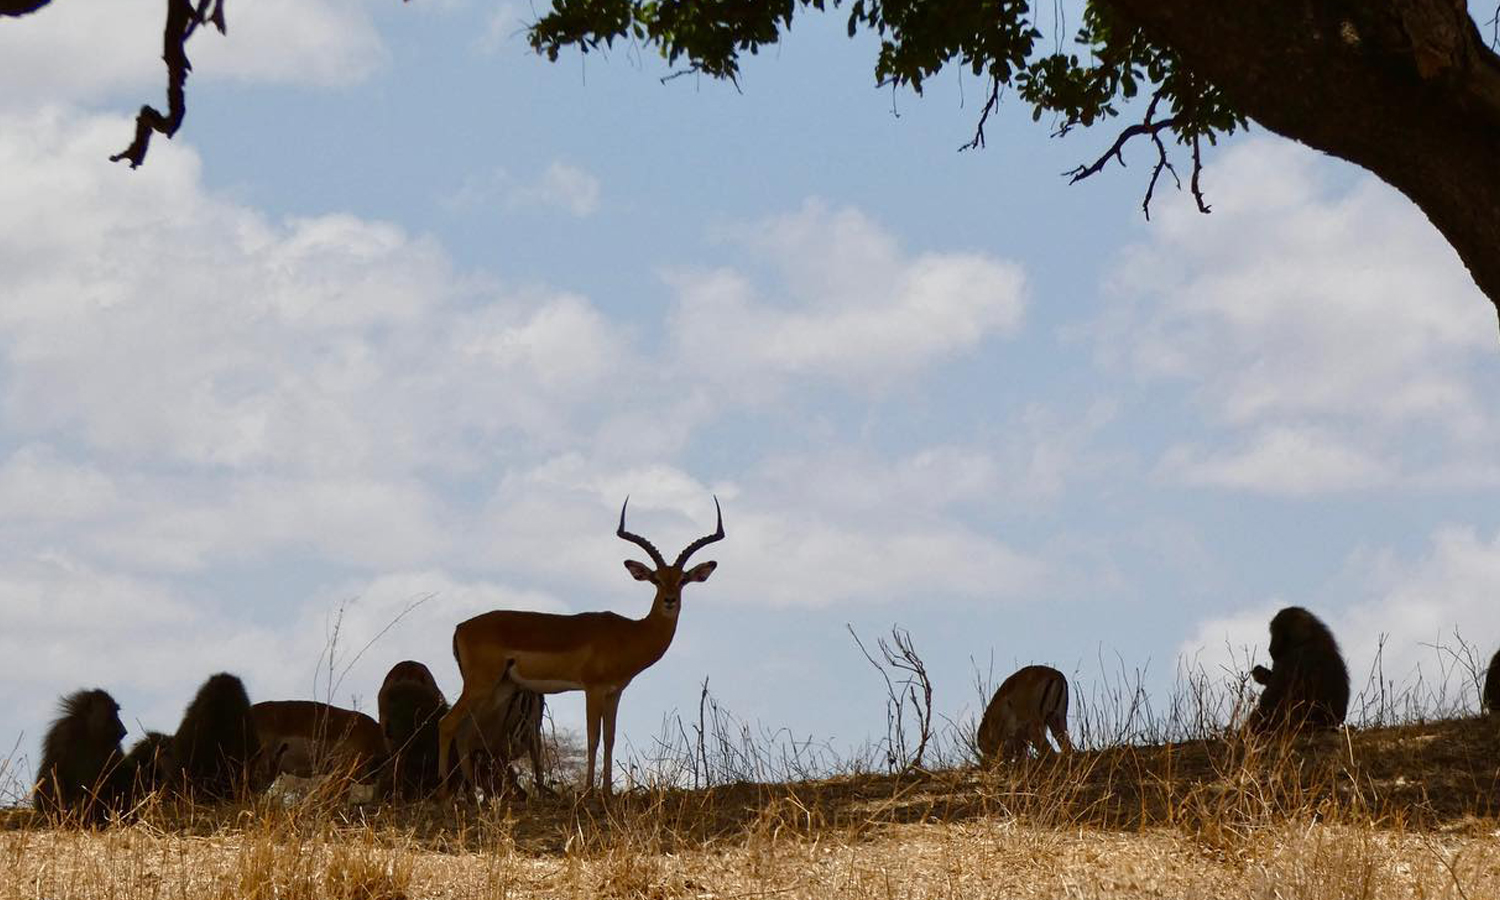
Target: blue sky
{"x":405,"y":312}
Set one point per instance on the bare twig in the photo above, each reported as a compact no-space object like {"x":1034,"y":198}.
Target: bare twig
{"x":990,"y":105}
{"x":1151,"y":127}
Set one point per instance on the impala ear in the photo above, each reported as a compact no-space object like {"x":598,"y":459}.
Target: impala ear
{"x":700,"y":572}
{"x":640,"y":571}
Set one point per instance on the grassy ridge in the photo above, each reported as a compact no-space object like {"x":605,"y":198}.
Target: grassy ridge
{"x":1406,"y":811}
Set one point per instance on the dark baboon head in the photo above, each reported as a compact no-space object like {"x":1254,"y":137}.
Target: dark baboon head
{"x":409,"y":713}
{"x":1491,"y":698}
{"x":81,"y":757}
{"x":1307,"y":684}
{"x":152,"y":765}
{"x":409,"y":670}
{"x":216,"y":741}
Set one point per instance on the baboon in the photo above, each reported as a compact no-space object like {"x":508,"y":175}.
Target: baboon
{"x":152,"y":765}
{"x":410,"y":707}
{"x":1491,"y":699}
{"x":306,"y":738}
{"x":498,"y":730}
{"x":408,"y":670}
{"x":81,"y":759}
{"x":1024,"y":707}
{"x":216,"y":741}
{"x":1307,"y":685}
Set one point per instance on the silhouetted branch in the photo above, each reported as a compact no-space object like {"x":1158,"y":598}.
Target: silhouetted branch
{"x":21,"y":7}
{"x":1198,"y":170}
{"x":1153,"y":127}
{"x":182,"y":20}
{"x":990,"y":105}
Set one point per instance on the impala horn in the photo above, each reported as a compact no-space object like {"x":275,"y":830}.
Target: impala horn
{"x":702,"y":542}
{"x":637,"y":539}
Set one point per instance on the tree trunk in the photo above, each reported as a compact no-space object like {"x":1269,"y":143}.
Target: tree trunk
{"x":1405,"y":88}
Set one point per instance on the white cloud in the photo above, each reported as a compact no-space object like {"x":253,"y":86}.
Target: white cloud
{"x":805,"y":560}
{"x":569,"y":188}
{"x":1033,"y":458}
{"x":851,"y":307}
{"x":325,"y":42}
{"x":148,"y":318}
{"x":37,"y":487}
{"x":66,"y":624}
{"x":349,"y":520}
{"x":560,"y":186}
{"x":92,"y":49}
{"x":790,"y":542}
{"x":1292,"y":462}
{"x":1331,"y":329}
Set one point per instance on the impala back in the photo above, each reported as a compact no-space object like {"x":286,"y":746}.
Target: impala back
{"x":306,"y":738}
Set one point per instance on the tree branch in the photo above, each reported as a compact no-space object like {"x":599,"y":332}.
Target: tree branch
{"x":182,"y":20}
{"x":990,"y":105}
{"x":21,"y":7}
{"x":1152,"y":127}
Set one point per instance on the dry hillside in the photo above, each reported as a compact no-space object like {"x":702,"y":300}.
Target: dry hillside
{"x":1397,"y":812}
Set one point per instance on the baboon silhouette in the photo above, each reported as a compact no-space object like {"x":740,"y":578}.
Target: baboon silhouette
{"x":1307,"y":685}
{"x":408,"y":670}
{"x":1491,"y":699}
{"x":216,"y":741}
{"x":409,"y":713}
{"x":81,"y":769}
{"x":152,"y":765}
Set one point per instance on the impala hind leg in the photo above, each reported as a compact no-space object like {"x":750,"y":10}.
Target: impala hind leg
{"x":1036,"y":734}
{"x":611,"y":707}
{"x":593,"y":712}
{"x":448,"y":727}
{"x":1058,"y":724}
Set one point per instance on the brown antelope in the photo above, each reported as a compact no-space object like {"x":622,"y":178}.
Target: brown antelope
{"x":306,"y":738}
{"x":1025,"y":705}
{"x":594,"y":652}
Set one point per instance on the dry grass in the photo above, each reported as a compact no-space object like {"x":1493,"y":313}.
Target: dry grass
{"x":1393,"y":812}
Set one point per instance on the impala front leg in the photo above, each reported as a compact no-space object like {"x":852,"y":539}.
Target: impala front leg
{"x":611,"y":706}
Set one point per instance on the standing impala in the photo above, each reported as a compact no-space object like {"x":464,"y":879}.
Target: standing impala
{"x":594,"y":652}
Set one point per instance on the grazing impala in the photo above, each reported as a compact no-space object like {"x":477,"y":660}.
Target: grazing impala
{"x":594,"y":652}
{"x":1027,"y":703}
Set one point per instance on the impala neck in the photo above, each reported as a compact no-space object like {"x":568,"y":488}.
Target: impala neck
{"x":660,"y":624}
{"x":662,"y":616}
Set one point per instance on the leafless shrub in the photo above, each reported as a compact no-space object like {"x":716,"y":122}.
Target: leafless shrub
{"x":908,"y":692}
